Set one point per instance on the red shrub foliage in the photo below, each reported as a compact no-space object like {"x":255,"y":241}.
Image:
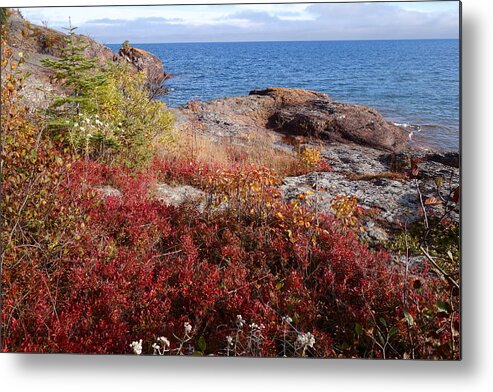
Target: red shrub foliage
{"x":88,"y":273}
{"x":139,"y":269}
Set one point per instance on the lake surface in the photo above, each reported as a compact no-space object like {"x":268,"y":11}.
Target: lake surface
{"x":414,"y":83}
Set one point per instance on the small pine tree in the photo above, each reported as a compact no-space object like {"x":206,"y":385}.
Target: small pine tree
{"x":77,"y":72}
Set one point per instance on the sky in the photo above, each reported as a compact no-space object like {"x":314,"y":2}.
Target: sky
{"x":257,"y":22}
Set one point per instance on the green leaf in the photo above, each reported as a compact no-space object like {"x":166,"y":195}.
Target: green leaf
{"x":358,"y":328}
{"x":382,"y":320}
{"x":393,"y":331}
{"x":409,"y":318}
{"x":380,"y":337}
{"x":201,"y":344}
{"x":442,"y":307}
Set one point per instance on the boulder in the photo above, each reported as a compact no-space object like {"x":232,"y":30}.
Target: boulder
{"x":315,"y":115}
{"x":108,"y":191}
{"x":167,"y":194}
{"x":178,"y":195}
{"x":141,"y":60}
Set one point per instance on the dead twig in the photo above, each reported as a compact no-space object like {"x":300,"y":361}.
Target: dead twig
{"x":422,"y":205}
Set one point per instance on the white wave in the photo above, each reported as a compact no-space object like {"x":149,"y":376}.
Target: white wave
{"x":403,"y":125}
{"x":416,"y":128}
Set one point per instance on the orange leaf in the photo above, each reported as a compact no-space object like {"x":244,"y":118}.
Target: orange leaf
{"x":430,"y":201}
{"x":414,"y":167}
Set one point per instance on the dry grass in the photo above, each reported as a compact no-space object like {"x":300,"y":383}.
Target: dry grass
{"x":255,"y":148}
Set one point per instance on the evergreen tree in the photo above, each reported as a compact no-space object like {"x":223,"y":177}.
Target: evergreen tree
{"x":79,"y":74}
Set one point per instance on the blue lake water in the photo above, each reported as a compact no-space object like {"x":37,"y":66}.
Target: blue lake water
{"x":412,"y":82}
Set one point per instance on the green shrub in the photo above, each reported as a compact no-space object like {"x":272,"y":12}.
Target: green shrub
{"x":3,"y":15}
{"x":108,"y":115}
{"x":137,"y":121}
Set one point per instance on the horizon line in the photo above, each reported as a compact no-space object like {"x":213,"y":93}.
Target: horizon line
{"x":271,"y":41}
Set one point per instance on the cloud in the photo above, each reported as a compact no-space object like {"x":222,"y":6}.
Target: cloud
{"x":383,"y":21}
{"x":106,"y":21}
{"x":322,"y":21}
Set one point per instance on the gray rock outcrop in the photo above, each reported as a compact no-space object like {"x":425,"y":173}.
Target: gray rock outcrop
{"x":392,"y":197}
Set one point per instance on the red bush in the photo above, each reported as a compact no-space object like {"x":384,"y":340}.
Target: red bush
{"x":139,"y":268}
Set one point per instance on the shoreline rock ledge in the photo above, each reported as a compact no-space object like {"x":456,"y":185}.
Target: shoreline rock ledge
{"x":295,"y":112}
{"x":151,"y":65}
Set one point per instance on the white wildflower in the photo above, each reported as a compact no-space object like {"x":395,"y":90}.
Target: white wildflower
{"x":165,"y":341}
{"x":137,"y":347}
{"x":239,"y":321}
{"x":287,"y":319}
{"x":82,"y":128}
{"x":76,"y":125}
{"x":188,"y":327}
{"x":306,"y":340}
{"x":230,"y":340}
{"x":88,"y":120}
{"x":98,"y":122}
{"x":161,"y":347}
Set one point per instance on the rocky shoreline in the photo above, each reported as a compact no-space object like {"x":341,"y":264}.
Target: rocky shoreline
{"x":371,"y":158}
{"x":295,"y":113}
